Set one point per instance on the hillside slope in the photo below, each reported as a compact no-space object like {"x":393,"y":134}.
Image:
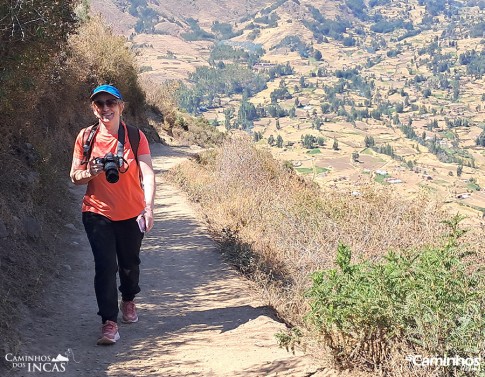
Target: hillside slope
{"x":170,"y":16}
{"x":399,"y":84}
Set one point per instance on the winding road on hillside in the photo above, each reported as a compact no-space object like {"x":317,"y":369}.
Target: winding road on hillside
{"x":198,"y":316}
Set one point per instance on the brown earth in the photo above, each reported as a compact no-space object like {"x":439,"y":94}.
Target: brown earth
{"x":198,"y":316}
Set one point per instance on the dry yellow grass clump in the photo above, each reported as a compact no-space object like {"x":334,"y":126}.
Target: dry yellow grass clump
{"x":288,"y":228}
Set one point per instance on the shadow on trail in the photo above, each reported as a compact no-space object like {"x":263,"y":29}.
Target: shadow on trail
{"x":223,"y":319}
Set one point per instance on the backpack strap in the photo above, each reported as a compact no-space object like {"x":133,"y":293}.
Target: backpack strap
{"x":134,"y":137}
{"x":88,"y":142}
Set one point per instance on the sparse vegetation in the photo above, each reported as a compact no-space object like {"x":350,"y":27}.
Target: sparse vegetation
{"x":224,"y":52}
{"x":422,"y":301}
{"x":323,"y":27}
{"x":196,"y":33}
{"x":281,"y":229}
{"x":224,"y":30}
{"x":147,"y":17}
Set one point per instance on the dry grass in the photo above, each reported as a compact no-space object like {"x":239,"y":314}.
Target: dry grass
{"x":280,"y":228}
{"x":291,"y":223}
{"x":103,"y":57}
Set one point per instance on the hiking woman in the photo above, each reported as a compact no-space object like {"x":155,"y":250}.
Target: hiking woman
{"x":114,"y":160}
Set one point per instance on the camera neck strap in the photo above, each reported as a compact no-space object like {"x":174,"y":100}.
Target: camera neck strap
{"x":121,"y":144}
{"x":88,"y":145}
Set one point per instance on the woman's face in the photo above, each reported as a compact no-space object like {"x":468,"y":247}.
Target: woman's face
{"x":107,"y":108}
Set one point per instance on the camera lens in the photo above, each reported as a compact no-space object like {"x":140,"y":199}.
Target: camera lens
{"x":111,"y":169}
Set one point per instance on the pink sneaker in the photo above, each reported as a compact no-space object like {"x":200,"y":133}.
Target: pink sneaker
{"x":128,"y":309}
{"x":110,"y":333}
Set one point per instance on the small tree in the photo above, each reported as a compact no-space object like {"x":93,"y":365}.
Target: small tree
{"x":369,"y":141}
{"x":459,"y":170}
{"x":302,"y":82}
{"x":317,"y":124}
{"x":355,"y":156}
{"x":279,"y":141}
{"x":456,"y":90}
{"x":335,"y":145}
{"x":228,"y":114}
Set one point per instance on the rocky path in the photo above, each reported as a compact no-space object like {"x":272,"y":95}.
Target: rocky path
{"x":198,"y":316}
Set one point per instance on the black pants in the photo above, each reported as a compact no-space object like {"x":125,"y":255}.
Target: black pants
{"x":113,"y":243}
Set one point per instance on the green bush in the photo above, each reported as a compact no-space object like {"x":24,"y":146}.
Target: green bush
{"x":427,"y":301}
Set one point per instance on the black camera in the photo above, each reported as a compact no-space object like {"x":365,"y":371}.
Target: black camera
{"x":110,"y":167}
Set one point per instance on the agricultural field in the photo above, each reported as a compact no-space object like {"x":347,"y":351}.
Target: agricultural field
{"x":413,"y":75}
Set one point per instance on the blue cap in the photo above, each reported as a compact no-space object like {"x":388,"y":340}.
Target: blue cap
{"x":110,"y":89}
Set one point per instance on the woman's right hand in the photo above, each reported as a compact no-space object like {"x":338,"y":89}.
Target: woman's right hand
{"x":95,"y":167}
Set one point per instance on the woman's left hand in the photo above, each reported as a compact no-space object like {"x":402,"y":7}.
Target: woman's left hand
{"x":148,"y":215}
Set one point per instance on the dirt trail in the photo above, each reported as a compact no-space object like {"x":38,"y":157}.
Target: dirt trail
{"x":198,"y":316}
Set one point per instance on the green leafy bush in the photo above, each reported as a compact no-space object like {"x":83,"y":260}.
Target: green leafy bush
{"x":425,"y":301}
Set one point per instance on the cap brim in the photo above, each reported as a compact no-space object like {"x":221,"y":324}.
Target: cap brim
{"x":103,"y":91}
{"x":108,"y":89}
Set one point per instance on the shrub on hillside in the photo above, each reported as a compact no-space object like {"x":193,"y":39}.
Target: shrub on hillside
{"x":224,"y":30}
{"x":101,"y":57}
{"x":420,"y":302}
{"x":196,"y":33}
{"x":196,"y":131}
{"x":162,"y":100}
